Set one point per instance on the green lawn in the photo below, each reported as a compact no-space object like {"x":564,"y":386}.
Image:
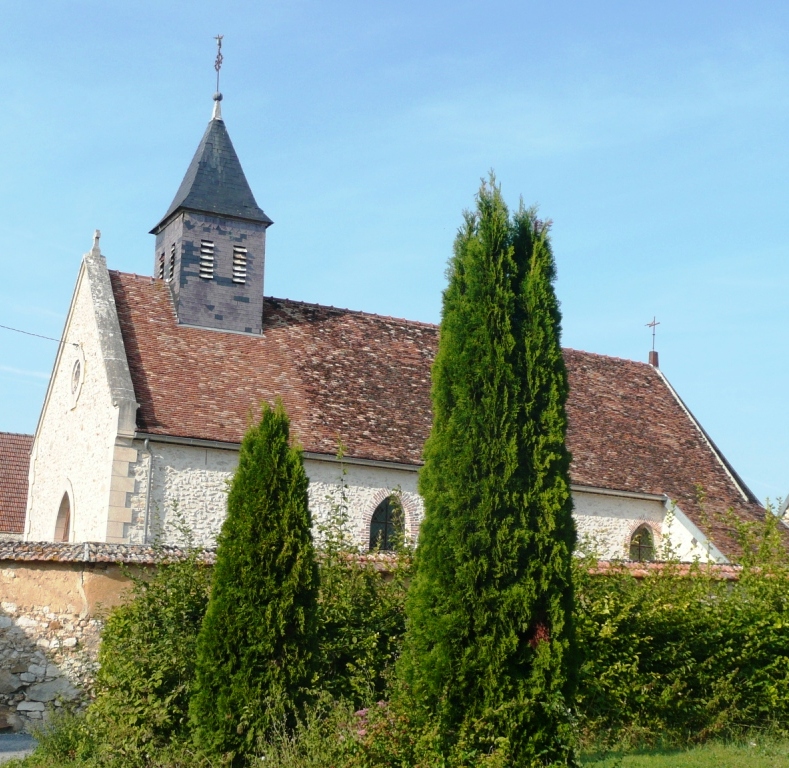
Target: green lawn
{"x":753,"y":755}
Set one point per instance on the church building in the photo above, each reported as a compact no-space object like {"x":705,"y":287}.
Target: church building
{"x":160,"y":375}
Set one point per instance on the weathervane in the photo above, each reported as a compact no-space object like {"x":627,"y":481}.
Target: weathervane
{"x":219,"y":59}
{"x":217,"y":66}
{"x":653,"y":325}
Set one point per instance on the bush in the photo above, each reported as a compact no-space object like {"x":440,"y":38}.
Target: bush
{"x":147,"y":660}
{"x":256,"y":653}
{"x":360,"y":611}
{"x":684,"y":658}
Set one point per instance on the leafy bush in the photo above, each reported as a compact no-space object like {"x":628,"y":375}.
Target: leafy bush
{"x":360,"y":611}
{"x":147,"y":659}
{"x":683,"y":658}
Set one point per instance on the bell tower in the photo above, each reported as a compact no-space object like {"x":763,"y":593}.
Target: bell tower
{"x":211,"y":243}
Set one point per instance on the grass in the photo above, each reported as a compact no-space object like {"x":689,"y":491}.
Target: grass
{"x":762,"y":754}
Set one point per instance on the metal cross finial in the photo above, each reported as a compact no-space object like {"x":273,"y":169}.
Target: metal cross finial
{"x":219,"y":59}
{"x":653,"y":325}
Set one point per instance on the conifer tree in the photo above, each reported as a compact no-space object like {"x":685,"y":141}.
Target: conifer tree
{"x":257,"y":647}
{"x":490,"y":657}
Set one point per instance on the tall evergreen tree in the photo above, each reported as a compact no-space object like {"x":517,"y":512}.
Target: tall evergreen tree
{"x":490,"y":655}
{"x":257,"y":647}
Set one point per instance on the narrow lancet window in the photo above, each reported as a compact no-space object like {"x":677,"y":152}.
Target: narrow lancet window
{"x":63,"y":522}
{"x":160,"y":270}
{"x":642,"y":545}
{"x":387,"y":525}
{"x":171,"y":271}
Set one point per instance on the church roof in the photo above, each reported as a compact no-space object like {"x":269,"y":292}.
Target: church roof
{"x":14,"y":463}
{"x":365,"y":379}
{"x":215,"y":182}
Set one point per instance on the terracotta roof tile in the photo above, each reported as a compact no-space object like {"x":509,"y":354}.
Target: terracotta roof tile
{"x":14,"y":463}
{"x":365,"y":379}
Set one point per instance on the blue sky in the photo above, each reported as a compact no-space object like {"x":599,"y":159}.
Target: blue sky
{"x":653,"y":135}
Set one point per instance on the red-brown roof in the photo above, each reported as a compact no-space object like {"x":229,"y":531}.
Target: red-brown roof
{"x":365,"y":379}
{"x":14,"y":463}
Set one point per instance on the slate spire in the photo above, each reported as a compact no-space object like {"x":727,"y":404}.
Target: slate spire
{"x":215,"y":182}
{"x":211,"y":243}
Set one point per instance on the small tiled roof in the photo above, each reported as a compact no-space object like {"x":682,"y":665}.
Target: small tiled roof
{"x":97,"y":552}
{"x":365,"y":379}
{"x":143,"y":554}
{"x":215,"y":182}
{"x":14,"y":464}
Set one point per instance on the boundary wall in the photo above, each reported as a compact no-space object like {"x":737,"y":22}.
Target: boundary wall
{"x":54,"y":598}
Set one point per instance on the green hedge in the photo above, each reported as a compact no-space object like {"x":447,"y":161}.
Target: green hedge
{"x":670,"y":658}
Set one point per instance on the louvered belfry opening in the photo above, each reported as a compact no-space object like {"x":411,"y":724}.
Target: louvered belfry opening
{"x":239,"y":264}
{"x":206,"y":259}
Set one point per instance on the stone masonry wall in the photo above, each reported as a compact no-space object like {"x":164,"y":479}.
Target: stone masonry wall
{"x":53,"y":599}
{"x":189,"y":485}
{"x":78,"y":405}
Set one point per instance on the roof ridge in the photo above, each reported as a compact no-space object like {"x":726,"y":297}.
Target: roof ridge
{"x":362,"y":312}
{"x":609,"y":357}
{"x":16,"y":434}
{"x":377,"y":316}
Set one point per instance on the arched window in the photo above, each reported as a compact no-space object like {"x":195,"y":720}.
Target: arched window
{"x":386,"y":525}
{"x":63,"y":524}
{"x":642,"y":545}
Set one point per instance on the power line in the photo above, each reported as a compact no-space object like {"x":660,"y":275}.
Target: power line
{"x":37,"y":335}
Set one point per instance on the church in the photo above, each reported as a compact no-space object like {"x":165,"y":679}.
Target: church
{"x":159,"y":375}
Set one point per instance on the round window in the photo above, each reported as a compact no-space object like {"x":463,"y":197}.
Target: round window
{"x":76,"y":372}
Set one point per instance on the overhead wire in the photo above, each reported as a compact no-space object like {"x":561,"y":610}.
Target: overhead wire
{"x":38,"y":335}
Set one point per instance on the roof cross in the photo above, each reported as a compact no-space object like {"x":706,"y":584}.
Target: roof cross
{"x":653,"y":325}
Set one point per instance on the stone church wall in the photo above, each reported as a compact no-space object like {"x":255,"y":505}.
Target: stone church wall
{"x":188,"y":492}
{"x":74,"y":445}
{"x":189,"y":483}
{"x":606,"y":523}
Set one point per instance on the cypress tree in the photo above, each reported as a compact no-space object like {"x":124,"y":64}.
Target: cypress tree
{"x":256,"y":650}
{"x":490,"y":657}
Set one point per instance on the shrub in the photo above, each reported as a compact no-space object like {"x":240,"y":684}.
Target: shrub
{"x":361,"y":608}
{"x":683,"y":658}
{"x":256,"y":653}
{"x":490,"y":645}
{"x":147,"y":660}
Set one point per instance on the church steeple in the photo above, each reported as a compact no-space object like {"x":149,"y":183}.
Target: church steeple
{"x":215,"y":183}
{"x":211,"y":243}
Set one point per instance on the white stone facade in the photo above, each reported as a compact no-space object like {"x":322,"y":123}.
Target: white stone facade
{"x":189,"y":484}
{"x":607,"y":520}
{"x":188,"y":492}
{"x":88,"y":414}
